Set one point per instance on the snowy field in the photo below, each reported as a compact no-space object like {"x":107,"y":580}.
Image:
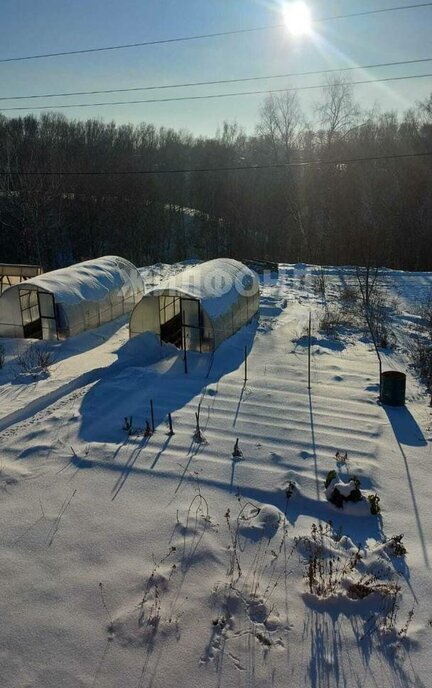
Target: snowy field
{"x":164,"y":562}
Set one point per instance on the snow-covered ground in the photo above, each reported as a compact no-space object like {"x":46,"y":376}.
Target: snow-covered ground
{"x":163,"y":561}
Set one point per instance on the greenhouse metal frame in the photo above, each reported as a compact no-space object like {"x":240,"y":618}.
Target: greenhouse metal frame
{"x":11,"y":274}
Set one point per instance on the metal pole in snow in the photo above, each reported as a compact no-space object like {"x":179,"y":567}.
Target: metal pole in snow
{"x":184,"y":342}
{"x":309,"y":350}
{"x":152,"y":415}
{"x":171,"y":431}
{"x":245,"y":363}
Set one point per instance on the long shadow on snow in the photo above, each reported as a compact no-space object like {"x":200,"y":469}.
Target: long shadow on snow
{"x":404,"y":426}
{"x":359,"y":528}
{"x":129,"y":384}
{"x":327,"y":343}
{"x":85,"y":341}
{"x":408,"y":433}
{"x":61,"y":351}
{"x":332,"y":664}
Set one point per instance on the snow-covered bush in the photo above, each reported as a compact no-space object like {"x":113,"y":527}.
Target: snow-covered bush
{"x":324,"y":569}
{"x":339,"y":492}
{"x":394,"y":546}
{"x":374,"y":504}
{"x":336,"y":567}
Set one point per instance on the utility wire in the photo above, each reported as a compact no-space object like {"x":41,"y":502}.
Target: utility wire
{"x":209,"y":96}
{"x":210,"y":35}
{"x":235,"y":168}
{"x":218,"y":81}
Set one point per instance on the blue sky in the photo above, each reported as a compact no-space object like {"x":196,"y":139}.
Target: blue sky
{"x":35,"y":26}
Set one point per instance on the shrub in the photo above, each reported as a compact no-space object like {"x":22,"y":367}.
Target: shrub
{"x":374,"y":501}
{"x":36,"y":359}
{"x":425,"y":311}
{"x":331,"y":319}
{"x":291,"y":488}
{"x":2,"y":356}
{"x":351,"y":307}
{"x":342,"y":458}
{"x":348,"y":294}
{"x":378,"y":316}
{"x":331,"y":475}
{"x":369,"y":584}
{"x":421,"y":357}
{"x":395,"y":547}
{"x":333,"y":569}
{"x":337,"y":492}
{"x":319,"y":283}
{"x":127,"y":425}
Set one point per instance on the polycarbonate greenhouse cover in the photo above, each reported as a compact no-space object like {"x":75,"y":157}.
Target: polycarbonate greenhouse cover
{"x":88,"y":281}
{"x":217,"y":284}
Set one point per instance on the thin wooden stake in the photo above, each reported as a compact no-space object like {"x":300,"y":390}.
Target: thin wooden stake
{"x":184,"y":342}
{"x":152,"y":415}
{"x":309,"y":350}
{"x":171,"y":431}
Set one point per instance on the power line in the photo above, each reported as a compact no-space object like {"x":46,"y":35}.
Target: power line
{"x":209,"y":35}
{"x":218,"y":81}
{"x":209,"y":96}
{"x":235,"y":168}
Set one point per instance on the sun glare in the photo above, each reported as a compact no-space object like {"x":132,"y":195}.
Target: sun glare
{"x":297,"y":17}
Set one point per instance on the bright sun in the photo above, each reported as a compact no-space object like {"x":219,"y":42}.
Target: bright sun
{"x":297,"y":18}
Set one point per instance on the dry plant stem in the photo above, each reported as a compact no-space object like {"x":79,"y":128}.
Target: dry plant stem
{"x":153,"y":614}
{"x":235,"y":534}
{"x":56,"y":525}
{"x":104,"y":604}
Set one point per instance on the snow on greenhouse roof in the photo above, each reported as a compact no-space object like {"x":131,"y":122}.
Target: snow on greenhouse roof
{"x":86,"y":281}
{"x":216,"y":283}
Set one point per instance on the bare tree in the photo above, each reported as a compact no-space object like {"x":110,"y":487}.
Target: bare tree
{"x":281,"y":120}
{"x":339,"y":112}
{"x":376,"y":212}
{"x":32,"y":202}
{"x":426,"y":108}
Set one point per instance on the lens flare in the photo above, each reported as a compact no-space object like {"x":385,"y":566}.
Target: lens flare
{"x":297,"y":18}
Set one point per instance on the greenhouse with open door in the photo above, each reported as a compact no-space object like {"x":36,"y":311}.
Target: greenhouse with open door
{"x":65,"y":302}
{"x":199,"y":308}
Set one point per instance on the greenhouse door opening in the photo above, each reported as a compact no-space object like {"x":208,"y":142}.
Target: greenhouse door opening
{"x":180,"y":322}
{"x":38,"y":314}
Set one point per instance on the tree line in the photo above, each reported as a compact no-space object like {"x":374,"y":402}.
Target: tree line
{"x":364,"y":212}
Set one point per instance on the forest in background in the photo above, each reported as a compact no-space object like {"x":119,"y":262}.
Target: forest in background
{"x":376,"y":211}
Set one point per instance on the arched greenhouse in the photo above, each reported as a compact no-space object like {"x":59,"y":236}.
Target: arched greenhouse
{"x":65,"y":302}
{"x":199,"y":308}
